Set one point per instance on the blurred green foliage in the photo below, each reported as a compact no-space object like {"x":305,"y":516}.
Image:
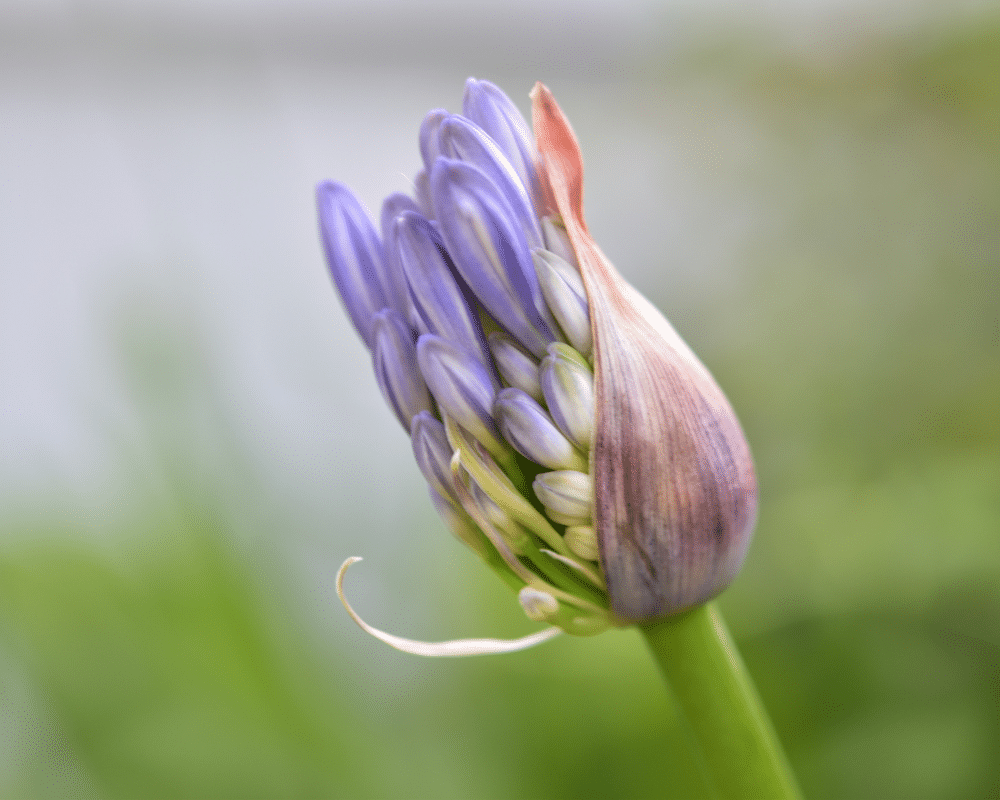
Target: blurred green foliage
{"x":862,"y":349}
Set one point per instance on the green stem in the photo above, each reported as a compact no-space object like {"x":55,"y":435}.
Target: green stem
{"x":725,"y":717}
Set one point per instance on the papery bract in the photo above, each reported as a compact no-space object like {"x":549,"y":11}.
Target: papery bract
{"x":675,"y":496}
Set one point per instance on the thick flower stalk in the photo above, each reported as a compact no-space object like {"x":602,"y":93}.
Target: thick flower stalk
{"x":566,"y":433}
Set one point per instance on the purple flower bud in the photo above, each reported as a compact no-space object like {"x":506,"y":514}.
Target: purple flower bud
{"x":461,"y":384}
{"x":568,"y":387}
{"x":490,"y":251}
{"x":394,"y":205}
{"x":532,"y":433}
{"x":465,"y":141}
{"x":433,"y":453}
{"x":353,"y":253}
{"x":422,"y":191}
{"x":394,"y":279}
{"x":440,"y":305}
{"x":430,"y":147}
{"x":396,"y":367}
{"x":517,"y":366}
{"x":487,"y":106}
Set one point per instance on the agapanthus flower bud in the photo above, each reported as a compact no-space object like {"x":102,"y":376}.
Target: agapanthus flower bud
{"x":532,"y":432}
{"x":557,"y":417}
{"x":537,"y":605}
{"x":568,"y":388}
{"x":462,"y":386}
{"x":397,"y":292}
{"x":440,"y":305}
{"x":557,"y":240}
{"x":517,"y":366}
{"x":396,"y":368}
{"x":568,"y":493}
{"x":487,"y":245}
{"x":433,"y":453}
{"x":460,"y":139}
{"x":582,"y":540}
{"x":562,"y":288}
{"x":354,"y":253}
{"x":430,"y":140}
{"x":487,"y":106}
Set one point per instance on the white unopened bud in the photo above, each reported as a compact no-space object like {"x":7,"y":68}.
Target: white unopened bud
{"x":539,"y":606}
{"x":557,"y":240}
{"x":568,"y":387}
{"x":566,"y":492}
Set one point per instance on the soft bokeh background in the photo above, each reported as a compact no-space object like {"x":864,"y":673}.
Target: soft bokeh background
{"x":191,"y":442}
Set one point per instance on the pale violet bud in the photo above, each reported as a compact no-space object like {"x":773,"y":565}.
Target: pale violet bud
{"x":557,"y":240}
{"x":462,"y":386}
{"x":465,"y":141}
{"x":517,"y":366}
{"x":487,"y":106}
{"x":531,"y":432}
{"x":568,"y":388}
{"x":582,"y":540}
{"x":396,"y":367}
{"x":354,"y":255}
{"x":422,"y":191}
{"x":433,"y":453}
{"x":398,"y":296}
{"x":563,"y":290}
{"x":394,"y":205}
{"x":490,"y":251}
{"x":538,"y":605}
{"x":430,"y":141}
{"x":567,"y":492}
{"x":440,"y":305}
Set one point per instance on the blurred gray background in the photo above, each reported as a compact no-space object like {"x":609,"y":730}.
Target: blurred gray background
{"x":191,"y":440}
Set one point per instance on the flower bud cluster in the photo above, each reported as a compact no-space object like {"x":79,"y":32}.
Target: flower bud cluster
{"x":471,"y":302}
{"x":567,"y":433}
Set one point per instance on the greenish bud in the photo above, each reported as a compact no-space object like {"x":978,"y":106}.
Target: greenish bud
{"x":582,"y":540}
{"x":513,"y":534}
{"x":460,"y":524}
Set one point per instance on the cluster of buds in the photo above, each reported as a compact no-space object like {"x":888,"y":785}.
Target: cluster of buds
{"x":566,"y":433}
